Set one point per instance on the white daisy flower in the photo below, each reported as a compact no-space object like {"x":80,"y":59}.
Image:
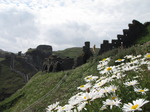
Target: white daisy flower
{"x":112,"y":88}
{"x":65,"y":108}
{"x":100,"y":83}
{"x":119,"y":60}
{"x":131,"y":83}
{"x":90,"y":78}
{"x":103,"y":107}
{"x":136,"y":57}
{"x":105,"y":59}
{"x":139,"y":56}
{"x":52,"y":107}
{"x":141,"y":90}
{"x":74,"y":100}
{"x":103,"y":63}
{"x":84,"y":87}
{"x":108,"y":70}
{"x":109,"y":89}
{"x":86,"y":96}
{"x":100,"y":67}
{"x":114,"y":97}
{"x":111,"y":103}
{"x":136,"y":77}
{"x":128,"y":56}
{"x":120,"y":75}
{"x":147,"y":55}
{"x":101,"y":78}
{"x":96,"y":93}
{"x":81,"y":106}
{"x":136,"y":105}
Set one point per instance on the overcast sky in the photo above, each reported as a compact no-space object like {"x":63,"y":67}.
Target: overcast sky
{"x":66,"y":23}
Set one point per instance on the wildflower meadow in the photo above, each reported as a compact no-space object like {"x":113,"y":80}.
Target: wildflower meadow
{"x":116,"y":88}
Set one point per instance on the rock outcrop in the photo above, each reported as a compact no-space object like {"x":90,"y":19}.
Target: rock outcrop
{"x":37,"y":56}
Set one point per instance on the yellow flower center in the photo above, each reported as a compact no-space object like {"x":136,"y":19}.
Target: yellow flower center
{"x":81,"y":86}
{"x":99,"y":83}
{"x":108,"y":69}
{"x":135,"y":106}
{"x":85,"y":97}
{"x":105,"y":90}
{"x":113,"y":97}
{"x":113,"y":89}
{"x":90,"y":78}
{"x":104,"y":59}
{"x":130,"y":84}
{"x":141,"y":90}
{"x":119,"y":59}
{"x":148,"y":56}
{"x":63,"y":108}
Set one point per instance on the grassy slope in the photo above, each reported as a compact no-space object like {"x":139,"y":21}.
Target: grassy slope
{"x":42,"y":83}
{"x":39,"y":85}
{"x":10,"y":82}
{"x":70,"y":52}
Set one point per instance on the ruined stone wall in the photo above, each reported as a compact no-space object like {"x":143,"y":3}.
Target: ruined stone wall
{"x":82,"y":59}
{"x":55,"y":64}
{"x":127,"y":39}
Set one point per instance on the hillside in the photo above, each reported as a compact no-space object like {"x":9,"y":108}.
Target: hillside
{"x":70,"y":52}
{"x":2,"y":54}
{"x":10,"y":82}
{"x":47,"y":88}
{"x":17,"y":69}
{"x":14,"y":74}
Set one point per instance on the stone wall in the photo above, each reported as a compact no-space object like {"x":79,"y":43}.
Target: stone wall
{"x":55,"y":63}
{"x":127,"y":39}
{"x":82,"y":59}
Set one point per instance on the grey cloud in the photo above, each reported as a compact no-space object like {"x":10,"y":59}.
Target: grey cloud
{"x":73,"y":33}
{"x":131,"y":9}
{"x":123,"y":10}
{"x":16,"y":25}
{"x":107,"y":18}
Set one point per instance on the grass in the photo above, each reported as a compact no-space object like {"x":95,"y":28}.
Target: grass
{"x":43,"y":83}
{"x":10,"y":82}
{"x":70,"y":52}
